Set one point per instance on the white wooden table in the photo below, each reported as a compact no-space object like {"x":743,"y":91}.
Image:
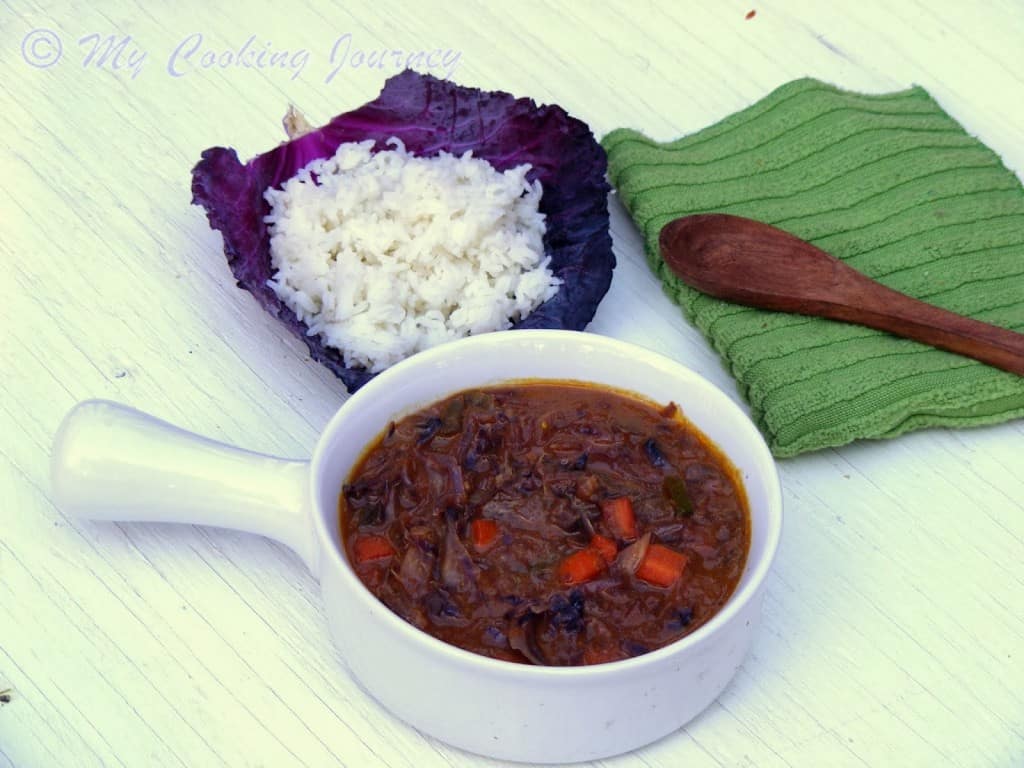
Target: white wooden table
{"x":894,"y":623}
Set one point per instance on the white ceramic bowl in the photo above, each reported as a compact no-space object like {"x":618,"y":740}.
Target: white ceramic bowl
{"x":113,"y":463}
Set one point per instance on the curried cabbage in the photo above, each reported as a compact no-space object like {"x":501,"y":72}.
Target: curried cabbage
{"x":431,"y":115}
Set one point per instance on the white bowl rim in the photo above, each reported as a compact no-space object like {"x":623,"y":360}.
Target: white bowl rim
{"x":491,"y":666}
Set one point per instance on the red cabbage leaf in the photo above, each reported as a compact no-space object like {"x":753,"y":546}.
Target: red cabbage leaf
{"x":431,"y":115}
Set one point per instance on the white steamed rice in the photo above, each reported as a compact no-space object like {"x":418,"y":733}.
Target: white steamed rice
{"x":387,"y":254}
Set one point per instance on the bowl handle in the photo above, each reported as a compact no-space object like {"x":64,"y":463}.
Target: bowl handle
{"x":111,"y":462}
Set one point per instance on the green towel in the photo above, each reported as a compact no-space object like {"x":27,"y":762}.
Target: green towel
{"x":892,"y":185}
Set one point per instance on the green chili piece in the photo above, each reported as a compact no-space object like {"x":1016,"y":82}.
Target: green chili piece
{"x":451,"y":418}
{"x":675,"y":488}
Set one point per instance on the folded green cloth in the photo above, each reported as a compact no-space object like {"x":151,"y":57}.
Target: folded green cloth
{"x":892,"y":185}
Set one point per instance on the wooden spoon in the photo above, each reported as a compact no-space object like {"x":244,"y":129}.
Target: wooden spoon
{"x":747,"y":262}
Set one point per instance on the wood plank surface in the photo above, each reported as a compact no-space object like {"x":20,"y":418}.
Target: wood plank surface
{"x":893,"y":631}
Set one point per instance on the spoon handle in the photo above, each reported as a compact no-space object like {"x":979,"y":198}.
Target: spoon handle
{"x":897,"y":313}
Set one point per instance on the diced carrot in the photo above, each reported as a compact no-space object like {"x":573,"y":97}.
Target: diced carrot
{"x":368,"y":548}
{"x":581,"y":566}
{"x":604,"y":547}
{"x":618,"y":516}
{"x":661,"y":566}
{"x":483,"y":532}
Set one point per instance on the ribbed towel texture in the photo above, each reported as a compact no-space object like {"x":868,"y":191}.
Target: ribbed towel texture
{"x":892,"y":185}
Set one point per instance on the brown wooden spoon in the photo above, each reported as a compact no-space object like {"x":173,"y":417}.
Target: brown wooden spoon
{"x":747,"y":262}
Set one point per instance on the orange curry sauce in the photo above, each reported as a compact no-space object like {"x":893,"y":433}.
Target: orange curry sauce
{"x":547,"y":523}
